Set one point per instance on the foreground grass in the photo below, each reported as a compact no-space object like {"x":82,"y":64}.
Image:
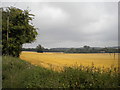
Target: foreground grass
{"x":21,"y":74}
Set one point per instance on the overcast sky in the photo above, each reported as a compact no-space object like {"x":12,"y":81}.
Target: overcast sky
{"x":73,"y":24}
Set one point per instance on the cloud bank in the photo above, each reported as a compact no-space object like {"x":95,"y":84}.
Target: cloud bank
{"x":74,"y":24}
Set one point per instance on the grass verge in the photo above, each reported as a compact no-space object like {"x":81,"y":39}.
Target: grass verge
{"x":18,"y":73}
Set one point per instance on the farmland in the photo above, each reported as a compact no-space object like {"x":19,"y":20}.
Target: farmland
{"x":18,"y":73}
{"x":50,"y":54}
{"x":53,"y":70}
{"x":57,"y":61}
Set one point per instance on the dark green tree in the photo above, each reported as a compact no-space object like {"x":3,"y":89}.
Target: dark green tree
{"x":16,"y":30}
{"x":39,"y":49}
{"x":86,"y":49}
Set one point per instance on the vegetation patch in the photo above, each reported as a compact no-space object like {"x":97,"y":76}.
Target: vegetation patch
{"x":21,"y":74}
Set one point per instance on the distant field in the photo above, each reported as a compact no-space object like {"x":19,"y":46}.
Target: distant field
{"x":58,"y":60}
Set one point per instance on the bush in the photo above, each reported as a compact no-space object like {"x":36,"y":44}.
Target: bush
{"x":16,"y":30}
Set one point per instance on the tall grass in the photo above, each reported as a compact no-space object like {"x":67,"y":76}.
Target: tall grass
{"x":21,"y":74}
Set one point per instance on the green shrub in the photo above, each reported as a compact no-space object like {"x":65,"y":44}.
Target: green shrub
{"x":16,"y":30}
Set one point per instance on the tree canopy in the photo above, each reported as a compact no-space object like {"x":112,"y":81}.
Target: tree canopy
{"x":39,"y":49}
{"x":16,"y":30}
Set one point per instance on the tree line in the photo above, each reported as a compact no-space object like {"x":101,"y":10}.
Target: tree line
{"x":84,"y":49}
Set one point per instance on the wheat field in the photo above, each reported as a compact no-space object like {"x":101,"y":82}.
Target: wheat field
{"x":57,"y":61}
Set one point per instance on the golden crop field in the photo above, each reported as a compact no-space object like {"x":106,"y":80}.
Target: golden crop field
{"x":59,"y":60}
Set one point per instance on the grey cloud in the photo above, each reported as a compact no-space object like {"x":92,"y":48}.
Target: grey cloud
{"x":74,"y":24}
